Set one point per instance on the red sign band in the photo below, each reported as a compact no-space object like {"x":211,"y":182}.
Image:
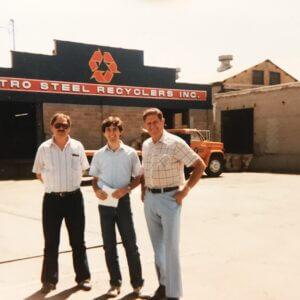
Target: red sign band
{"x":91,"y":89}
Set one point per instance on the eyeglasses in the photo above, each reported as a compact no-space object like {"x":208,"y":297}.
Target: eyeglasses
{"x":61,"y":125}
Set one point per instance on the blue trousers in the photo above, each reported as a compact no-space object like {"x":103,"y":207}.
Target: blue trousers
{"x":71,"y":209}
{"x":121,"y":216}
{"x":163,"y":220}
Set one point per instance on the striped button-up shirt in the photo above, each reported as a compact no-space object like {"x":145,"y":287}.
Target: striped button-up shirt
{"x":61,"y":169}
{"x":163,"y":162}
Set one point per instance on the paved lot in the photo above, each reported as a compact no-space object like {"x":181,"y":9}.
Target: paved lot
{"x":239,"y":241}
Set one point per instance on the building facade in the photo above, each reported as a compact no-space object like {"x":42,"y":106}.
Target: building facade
{"x":263,"y":122}
{"x":89,"y":82}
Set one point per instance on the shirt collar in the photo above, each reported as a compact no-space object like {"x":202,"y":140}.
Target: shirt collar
{"x":107,"y":148}
{"x":162,"y":138}
{"x":54,"y":144}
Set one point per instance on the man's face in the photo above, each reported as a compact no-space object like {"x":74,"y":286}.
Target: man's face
{"x":154,"y":125}
{"x":112,"y":134}
{"x":60,"y":127}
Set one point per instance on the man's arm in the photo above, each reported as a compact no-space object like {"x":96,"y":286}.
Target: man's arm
{"x":121,"y":192}
{"x":98,"y":192}
{"x":199,"y":167}
{"x":143,"y":188}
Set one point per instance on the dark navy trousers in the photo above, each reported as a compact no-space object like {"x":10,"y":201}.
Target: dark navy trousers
{"x":121,"y":216}
{"x":56,"y":208}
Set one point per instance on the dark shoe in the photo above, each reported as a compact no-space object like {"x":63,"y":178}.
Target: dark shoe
{"x":113,"y":291}
{"x":85,"y":285}
{"x":160,"y":293}
{"x":172,"y":298}
{"x":47,"y":287}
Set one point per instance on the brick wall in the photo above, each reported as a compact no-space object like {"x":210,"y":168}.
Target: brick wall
{"x":201,"y":119}
{"x":132,"y":121}
{"x":87,"y":119}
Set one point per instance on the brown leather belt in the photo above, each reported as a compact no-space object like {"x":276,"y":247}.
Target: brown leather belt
{"x":163,"y":190}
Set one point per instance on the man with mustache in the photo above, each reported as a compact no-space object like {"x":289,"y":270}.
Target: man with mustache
{"x":59,"y":164}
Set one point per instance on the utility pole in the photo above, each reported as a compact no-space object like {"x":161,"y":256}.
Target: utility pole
{"x":12,"y":29}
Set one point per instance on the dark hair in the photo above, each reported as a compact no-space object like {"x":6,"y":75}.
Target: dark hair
{"x":114,"y":121}
{"x":60,"y":114}
{"x":152,"y":111}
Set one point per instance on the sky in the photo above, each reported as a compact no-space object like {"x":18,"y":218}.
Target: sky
{"x":188,"y":34}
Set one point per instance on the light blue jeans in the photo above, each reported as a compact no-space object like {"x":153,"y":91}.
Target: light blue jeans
{"x":163,"y":220}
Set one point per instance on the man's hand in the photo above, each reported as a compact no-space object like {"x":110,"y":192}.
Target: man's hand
{"x":98,"y":192}
{"x":181,"y":194}
{"x":119,"y":193}
{"x":199,"y":167}
{"x":101,"y":194}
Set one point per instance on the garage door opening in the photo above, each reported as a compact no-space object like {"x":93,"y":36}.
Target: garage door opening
{"x":237,"y":130}
{"x":17,"y":130}
{"x":18,"y":133}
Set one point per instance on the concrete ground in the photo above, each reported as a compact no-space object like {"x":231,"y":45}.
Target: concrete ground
{"x":239,"y":241}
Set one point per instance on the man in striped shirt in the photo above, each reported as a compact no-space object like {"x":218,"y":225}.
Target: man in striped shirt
{"x":59,"y":164}
{"x":164,"y":157}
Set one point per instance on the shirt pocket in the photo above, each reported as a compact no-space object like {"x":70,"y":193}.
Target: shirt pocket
{"x":75,"y":162}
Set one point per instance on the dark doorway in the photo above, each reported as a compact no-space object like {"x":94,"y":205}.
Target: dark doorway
{"x":237,"y":130}
{"x":170,"y":117}
{"x":18,"y":131}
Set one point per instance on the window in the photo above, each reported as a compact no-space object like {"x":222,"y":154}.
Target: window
{"x":274,"y":78}
{"x":258,"y":77}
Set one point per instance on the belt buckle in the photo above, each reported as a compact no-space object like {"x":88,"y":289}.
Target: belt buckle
{"x":61,"y":194}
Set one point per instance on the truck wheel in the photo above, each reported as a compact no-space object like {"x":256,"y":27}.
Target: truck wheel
{"x":215,"y":166}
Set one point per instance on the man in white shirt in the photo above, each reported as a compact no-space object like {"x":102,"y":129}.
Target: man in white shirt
{"x":59,"y":164}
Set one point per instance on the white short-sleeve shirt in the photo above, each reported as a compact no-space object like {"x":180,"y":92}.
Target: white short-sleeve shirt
{"x":61,"y":170}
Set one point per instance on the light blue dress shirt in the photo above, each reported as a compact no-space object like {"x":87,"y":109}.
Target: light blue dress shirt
{"x":115,"y":168}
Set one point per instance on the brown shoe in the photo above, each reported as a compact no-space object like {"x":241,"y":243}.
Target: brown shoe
{"x":137,"y":290}
{"x":113,"y":291}
{"x":47,"y":287}
{"x":160,"y":293}
{"x":85,"y":285}
{"x":139,"y":293}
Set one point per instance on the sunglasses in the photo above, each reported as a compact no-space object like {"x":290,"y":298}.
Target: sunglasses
{"x":61,"y":125}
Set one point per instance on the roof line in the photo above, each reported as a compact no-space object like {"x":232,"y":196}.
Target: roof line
{"x":266,"y":60}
